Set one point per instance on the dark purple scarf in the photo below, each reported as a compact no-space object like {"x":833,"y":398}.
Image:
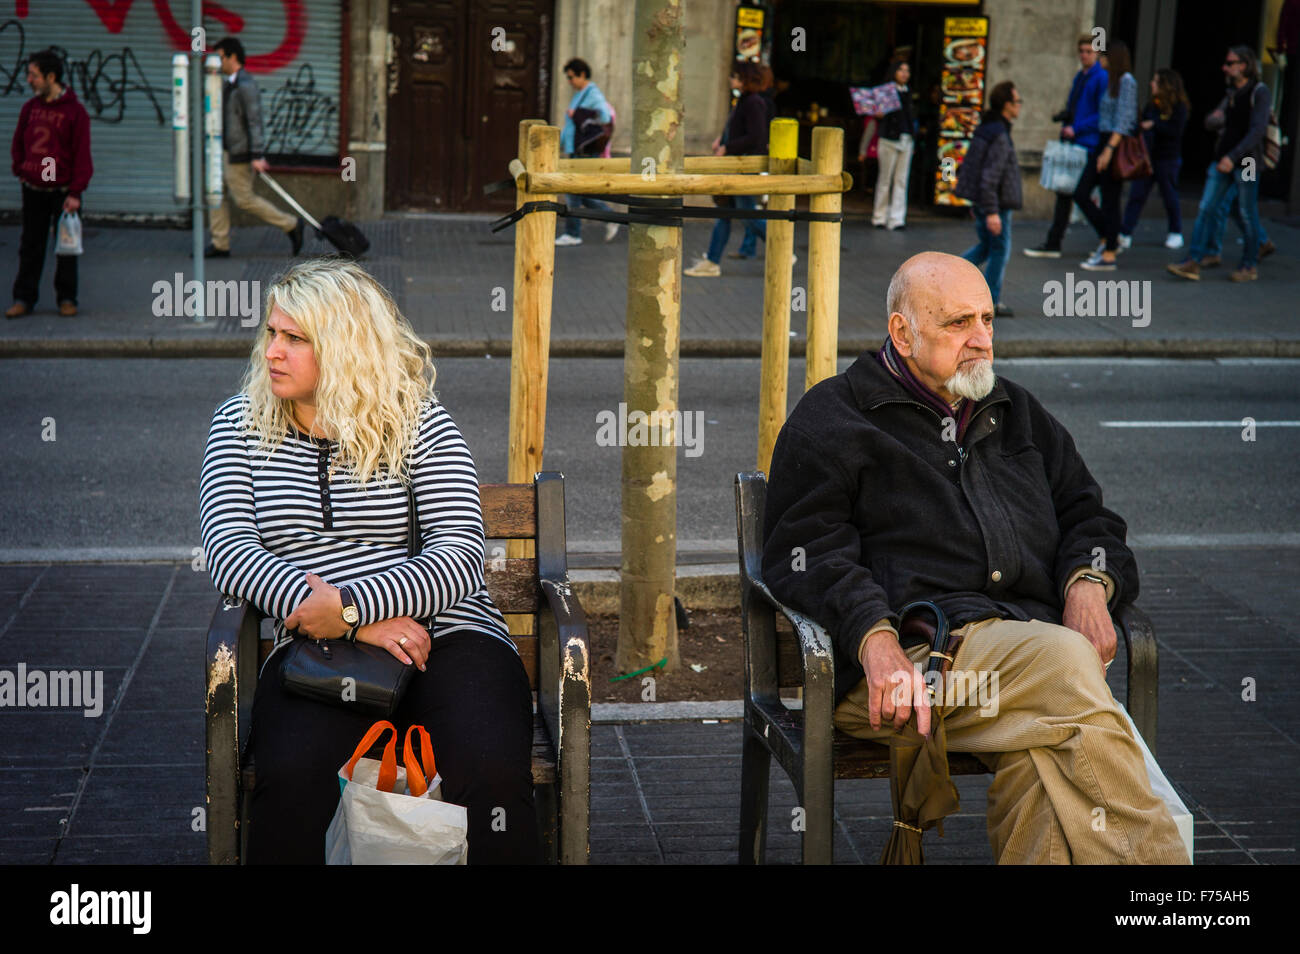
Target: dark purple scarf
{"x":893,"y":363}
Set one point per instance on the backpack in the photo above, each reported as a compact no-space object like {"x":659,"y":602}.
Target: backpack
{"x":1270,"y":148}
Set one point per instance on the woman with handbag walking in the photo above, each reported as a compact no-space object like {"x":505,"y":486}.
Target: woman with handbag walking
{"x":1116,"y":119}
{"x":1162,"y":125}
{"x":745,"y":134}
{"x":305,"y":513}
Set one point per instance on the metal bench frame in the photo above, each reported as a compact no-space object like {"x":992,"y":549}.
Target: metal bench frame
{"x":558,"y":657}
{"x":806,"y":745}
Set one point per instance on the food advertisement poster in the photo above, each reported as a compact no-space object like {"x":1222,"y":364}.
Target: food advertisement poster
{"x":749,"y":33}
{"x":961,"y":84}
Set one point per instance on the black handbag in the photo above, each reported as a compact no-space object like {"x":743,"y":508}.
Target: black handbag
{"x":316,"y":668}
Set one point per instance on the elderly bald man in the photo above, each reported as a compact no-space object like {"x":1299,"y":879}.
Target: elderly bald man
{"x":918,"y":474}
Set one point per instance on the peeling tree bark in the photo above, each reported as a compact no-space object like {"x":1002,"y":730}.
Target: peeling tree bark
{"x":647,"y":623}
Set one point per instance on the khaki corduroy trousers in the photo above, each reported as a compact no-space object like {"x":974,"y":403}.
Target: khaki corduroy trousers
{"x":238,"y":178}
{"x":1070,"y":785}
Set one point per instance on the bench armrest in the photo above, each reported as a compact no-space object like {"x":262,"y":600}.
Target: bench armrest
{"x":564,"y":697}
{"x":230,"y":677}
{"x":1139,"y":637}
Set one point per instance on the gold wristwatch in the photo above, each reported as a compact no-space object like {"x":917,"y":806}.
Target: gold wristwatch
{"x":351,"y":615}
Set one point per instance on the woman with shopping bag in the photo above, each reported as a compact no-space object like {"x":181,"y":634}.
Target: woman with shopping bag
{"x":338,"y":497}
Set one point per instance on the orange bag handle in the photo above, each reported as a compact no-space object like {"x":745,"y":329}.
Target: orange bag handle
{"x":388,"y":766}
{"x":417,"y":781}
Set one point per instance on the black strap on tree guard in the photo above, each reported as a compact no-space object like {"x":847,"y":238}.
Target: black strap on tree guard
{"x":667,"y":211}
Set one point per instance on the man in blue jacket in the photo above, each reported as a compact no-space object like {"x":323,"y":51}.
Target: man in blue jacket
{"x":586,"y":95}
{"x":1080,"y":116}
{"x":918,"y":474}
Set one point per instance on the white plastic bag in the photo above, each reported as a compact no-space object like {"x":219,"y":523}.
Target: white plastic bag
{"x":388,"y":815}
{"x":69,"y":234}
{"x":1161,"y":788}
{"x":1063,"y":164}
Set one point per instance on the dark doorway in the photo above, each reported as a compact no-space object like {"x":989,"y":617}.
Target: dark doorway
{"x":463,"y":75}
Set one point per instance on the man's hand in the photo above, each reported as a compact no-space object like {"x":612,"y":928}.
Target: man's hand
{"x":895,"y":684}
{"x":1067,"y":132}
{"x":71,"y":204}
{"x":402,"y":636}
{"x":1224,"y":165}
{"x":1085,"y":612}
{"x":320,"y":615}
{"x":261,"y":165}
{"x":993,"y":222}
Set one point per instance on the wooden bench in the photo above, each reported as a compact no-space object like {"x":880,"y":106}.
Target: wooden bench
{"x":804,"y":742}
{"x":557,"y":658}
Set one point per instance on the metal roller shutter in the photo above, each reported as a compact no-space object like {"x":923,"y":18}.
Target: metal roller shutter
{"x":118,"y":58}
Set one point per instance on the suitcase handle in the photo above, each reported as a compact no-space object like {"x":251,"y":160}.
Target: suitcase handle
{"x":293,"y":203}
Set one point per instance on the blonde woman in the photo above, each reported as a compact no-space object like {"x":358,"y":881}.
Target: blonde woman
{"x":303,"y":510}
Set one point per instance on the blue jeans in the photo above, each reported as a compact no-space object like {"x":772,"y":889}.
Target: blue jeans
{"x":573,"y":225}
{"x":1232,"y":210}
{"x":1166,"y":177}
{"x":1211,"y":217}
{"x":995,"y":248}
{"x":754,"y":230}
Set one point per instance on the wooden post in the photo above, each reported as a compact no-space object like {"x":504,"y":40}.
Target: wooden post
{"x":824,"y":260}
{"x":647,"y":628}
{"x":539,"y":148}
{"x":783,"y":157}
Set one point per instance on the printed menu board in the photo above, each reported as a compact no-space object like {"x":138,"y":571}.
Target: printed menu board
{"x":961,"y":87}
{"x":749,"y":33}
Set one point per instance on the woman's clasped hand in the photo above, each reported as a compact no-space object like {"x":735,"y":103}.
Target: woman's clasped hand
{"x":319,"y":616}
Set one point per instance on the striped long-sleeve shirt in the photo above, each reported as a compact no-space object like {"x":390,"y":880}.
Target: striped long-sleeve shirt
{"x":269,"y":519}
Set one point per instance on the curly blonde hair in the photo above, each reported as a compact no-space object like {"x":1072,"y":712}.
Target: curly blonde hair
{"x":375,"y":371}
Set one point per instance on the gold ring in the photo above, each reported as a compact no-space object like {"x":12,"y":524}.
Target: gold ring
{"x":402,"y":641}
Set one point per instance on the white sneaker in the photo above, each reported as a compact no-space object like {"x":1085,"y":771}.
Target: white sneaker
{"x":567,"y":239}
{"x":611,"y":230}
{"x":704,"y":269}
{"x":1174,"y":240}
{"x":1125,"y":241}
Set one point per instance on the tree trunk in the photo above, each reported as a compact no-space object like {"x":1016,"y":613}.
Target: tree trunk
{"x":647,"y":629}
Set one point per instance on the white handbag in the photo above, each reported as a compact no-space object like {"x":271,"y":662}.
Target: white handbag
{"x":391,"y":815}
{"x":1063,"y":164}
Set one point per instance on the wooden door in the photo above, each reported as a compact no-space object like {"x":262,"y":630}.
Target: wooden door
{"x":463,"y":75}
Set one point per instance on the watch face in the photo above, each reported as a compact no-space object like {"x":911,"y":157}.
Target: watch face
{"x":350,"y":615}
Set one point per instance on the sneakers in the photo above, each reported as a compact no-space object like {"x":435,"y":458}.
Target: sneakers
{"x":1003,"y":311}
{"x":68,"y":309}
{"x":567,"y":239}
{"x":1174,"y":240}
{"x":1266,"y":249}
{"x":17,"y":310}
{"x":1187,"y":269}
{"x":295,"y":237}
{"x":611,"y":230}
{"x":1043,"y":251}
{"x":1244,"y":274}
{"x":1125,"y":241}
{"x":1097,"y":263}
{"x":704,"y":269}
{"x":213,"y":252}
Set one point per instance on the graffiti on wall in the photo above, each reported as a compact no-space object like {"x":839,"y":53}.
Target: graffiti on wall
{"x":110,"y":80}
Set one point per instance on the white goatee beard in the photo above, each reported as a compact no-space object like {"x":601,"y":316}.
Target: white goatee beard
{"x":974,"y":383}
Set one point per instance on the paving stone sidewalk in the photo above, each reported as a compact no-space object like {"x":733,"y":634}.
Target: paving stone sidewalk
{"x":121,"y":788}
{"x":454,"y":277}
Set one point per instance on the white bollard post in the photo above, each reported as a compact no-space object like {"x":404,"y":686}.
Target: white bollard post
{"x":214,"y":184}
{"x":181,"y":127}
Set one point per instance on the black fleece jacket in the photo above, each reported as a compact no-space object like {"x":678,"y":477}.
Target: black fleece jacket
{"x":869,"y":508}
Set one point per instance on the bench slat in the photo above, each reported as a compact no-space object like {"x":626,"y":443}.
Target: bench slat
{"x":509,"y":511}
{"x":513,"y":584}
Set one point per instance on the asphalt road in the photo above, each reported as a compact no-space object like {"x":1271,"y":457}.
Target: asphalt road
{"x":120,"y":479}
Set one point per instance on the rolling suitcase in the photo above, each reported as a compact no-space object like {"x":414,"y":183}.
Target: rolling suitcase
{"x":340,"y":233}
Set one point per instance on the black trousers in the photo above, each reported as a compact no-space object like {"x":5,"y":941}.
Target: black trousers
{"x":1060,"y":219}
{"x":475,"y":701}
{"x":1106,"y":219}
{"x":41,"y":211}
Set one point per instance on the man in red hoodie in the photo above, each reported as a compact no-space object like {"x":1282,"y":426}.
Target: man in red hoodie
{"x":51,"y":158}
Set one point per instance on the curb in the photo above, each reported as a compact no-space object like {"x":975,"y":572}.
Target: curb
{"x":238,"y":347}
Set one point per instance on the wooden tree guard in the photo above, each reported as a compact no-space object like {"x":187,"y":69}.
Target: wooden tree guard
{"x":540,"y":174}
